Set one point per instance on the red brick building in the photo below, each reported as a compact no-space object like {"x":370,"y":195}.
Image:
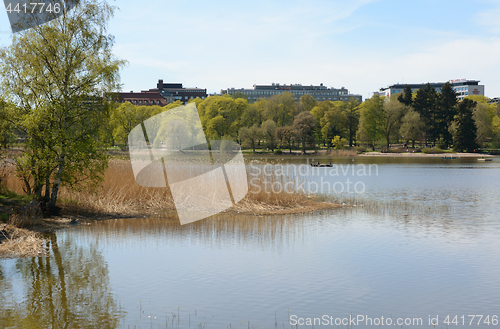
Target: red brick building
{"x":143,"y":98}
{"x":163,"y":94}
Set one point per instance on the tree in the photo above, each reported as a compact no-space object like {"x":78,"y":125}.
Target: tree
{"x":281,"y":109}
{"x":406,"y":97}
{"x":229,"y":109}
{"x":351,"y":110}
{"x":447,"y":101}
{"x":338,"y":143}
{"x":303,"y":126}
{"x":269,"y":132}
{"x":250,"y":136}
{"x":371,"y":121}
{"x":239,"y":94}
{"x":126,"y":116}
{"x":484,"y":116}
{"x":286,"y":136}
{"x":425,"y":103}
{"x":465,"y":136}
{"x":253,"y":114}
{"x":333,"y":124}
{"x":56,"y":74}
{"x":393,"y":112}
{"x":6,"y":128}
{"x":411,"y":126}
{"x":307,"y":103}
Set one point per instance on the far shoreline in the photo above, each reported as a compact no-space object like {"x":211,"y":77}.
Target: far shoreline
{"x":420,"y":154}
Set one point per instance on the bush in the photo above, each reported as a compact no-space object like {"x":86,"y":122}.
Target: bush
{"x":442,"y":146}
{"x":435,"y":150}
{"x":360,"y":149}
{"x":338,"y":143}
{"x":278,"y":151}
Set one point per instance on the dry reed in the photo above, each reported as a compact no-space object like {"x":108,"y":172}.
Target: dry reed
{"x":342,"y":153}
{"x":120,"y":196}
{"x":17,"y":242}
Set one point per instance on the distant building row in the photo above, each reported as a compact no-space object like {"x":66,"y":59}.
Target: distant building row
{"x":166,"y":93}
{"x":462,"y":87}
{"x":320,"y":93}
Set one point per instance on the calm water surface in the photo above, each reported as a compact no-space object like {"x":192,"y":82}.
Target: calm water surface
{"x":423,"y":240}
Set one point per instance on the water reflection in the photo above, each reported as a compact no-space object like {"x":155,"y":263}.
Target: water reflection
{"x":67,"y":288}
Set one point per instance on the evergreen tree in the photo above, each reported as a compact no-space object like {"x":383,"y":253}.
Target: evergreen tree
{"x":406,"y":96}
{"x":446,"y":112}
{"x":425,"y":104}
{"x":465,"y":136}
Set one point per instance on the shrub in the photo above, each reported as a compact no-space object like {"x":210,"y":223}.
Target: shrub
{"x":435,"y":150}
{"x":360,"y":149}
{"x":278,"y":151}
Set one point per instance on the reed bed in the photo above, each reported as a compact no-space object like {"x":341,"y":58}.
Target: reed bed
{"x":342,"y":153}
{"x":120,"y":196}
{"x":16,"y":242}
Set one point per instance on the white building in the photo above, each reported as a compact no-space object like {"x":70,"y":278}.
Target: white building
{"x":462,"y":87}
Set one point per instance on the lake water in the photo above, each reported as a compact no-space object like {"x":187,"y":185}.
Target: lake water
{"x":422,"y":243}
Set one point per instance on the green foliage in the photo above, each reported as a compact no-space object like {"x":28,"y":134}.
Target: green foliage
{"x":412,"y":126}
{"x":434,"y":150}
{"x":216,"y":109}
{"x":371,"y":122}
{"x":406,"y":98}
{"x":250,"y":136}
{"x":126,"y":116}
{"x":56,"y":74}
{"x":465,"y":134}
{"x":333,"y":123}
{"x":239,"y":94}
{"x":303,"y":127}
{"x":484,"y":117}
{"x":253,"y":114}
{"x":393,"y":112}
{"x":269,"y":133}
{"x":286,"y":137}
{"x":307,"y":103}
{"x":281,"y":109}
{"x":360,"y":149}
{"x":351,"y":111}
{"x":338,"y":143}
{"x":425,"y":104}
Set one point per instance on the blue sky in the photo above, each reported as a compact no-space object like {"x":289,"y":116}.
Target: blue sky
{"x":362,"y":45}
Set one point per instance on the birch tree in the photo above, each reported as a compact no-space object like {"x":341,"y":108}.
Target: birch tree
{"x":57,"y":74}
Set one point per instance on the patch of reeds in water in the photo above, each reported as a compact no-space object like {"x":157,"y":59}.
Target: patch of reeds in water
{"x":120,"y":195}
{"x":16,"y":242}
{"x":342,"y":153}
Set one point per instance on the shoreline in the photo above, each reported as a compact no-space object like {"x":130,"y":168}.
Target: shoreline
{"x":420,"y":154}
{"x":24,"y":242}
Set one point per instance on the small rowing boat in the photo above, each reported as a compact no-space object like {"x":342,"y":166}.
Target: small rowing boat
{"x":318,"y":165}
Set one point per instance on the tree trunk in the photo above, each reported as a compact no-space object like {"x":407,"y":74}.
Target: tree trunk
{"x":57,"y":180}
{"x":46,"y":197}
